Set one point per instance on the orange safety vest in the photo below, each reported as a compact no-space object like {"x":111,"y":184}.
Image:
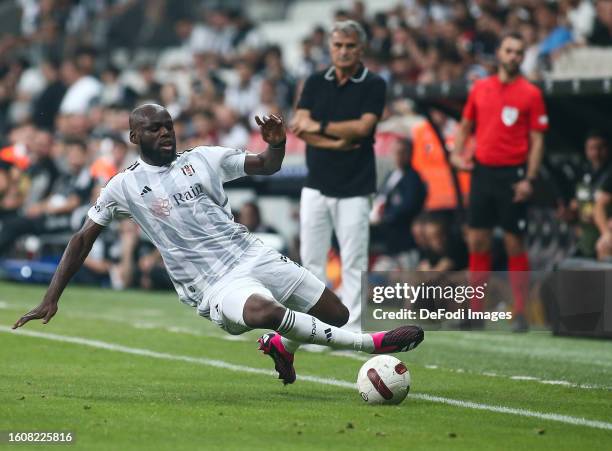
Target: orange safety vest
{"x":16,"y":155}
{"x":429,"y":161}
{"x":103,"y":169}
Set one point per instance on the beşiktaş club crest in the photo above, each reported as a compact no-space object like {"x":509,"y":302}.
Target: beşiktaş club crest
{"x":160,"y":207}
{"x":188,"y":170}
{"x":509,"y":115}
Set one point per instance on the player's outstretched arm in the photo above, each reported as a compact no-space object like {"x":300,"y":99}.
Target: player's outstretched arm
{"x":273,"y":132}
{"x":74,"y":255}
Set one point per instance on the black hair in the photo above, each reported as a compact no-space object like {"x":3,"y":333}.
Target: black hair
{"x":553,"y":8}
{"x":112,"y":69}
{"x":53,"y":61}
{"x":86,"y":50}
{"x":116,"y":138}
{"x":274,"y":49}
{"x":380,"y":19}
{"x":76,"y":142}
{"x":511,"y":35}
{"x":597,"y":133}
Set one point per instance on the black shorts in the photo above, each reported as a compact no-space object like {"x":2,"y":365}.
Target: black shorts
{"x":491,"y":195}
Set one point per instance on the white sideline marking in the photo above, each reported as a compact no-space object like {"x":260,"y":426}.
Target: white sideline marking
{"x":139,"y":324}
{"x":234,"y":338}
{"x":577,"y":421}
{"x":143,"y":325}
{"x":353,"y":355}
{"x":474,"y":342}
{"x":521,"y":412}
{"x":566,"y":383}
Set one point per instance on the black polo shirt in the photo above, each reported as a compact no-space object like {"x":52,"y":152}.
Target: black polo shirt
{"x":342,"y":173}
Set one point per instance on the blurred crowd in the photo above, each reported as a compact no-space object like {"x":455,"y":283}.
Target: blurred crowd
{"x":574,"y":222}
{"x":214,"y":69}
{"x":71,"y":74}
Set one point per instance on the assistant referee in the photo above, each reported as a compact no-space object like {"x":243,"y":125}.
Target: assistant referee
{"x":510,"y":118}
{"x":336,"y":116}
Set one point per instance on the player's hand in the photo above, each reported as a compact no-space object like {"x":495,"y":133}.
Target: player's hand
{"x":272,"y":129}
{"x":45,"y":311}
{"x":460,"y":162}
{"x":606,"y":238}
{"x":522,"y":191}
{"x":604,"y":245}
{"x":147,"y":262}
{"x":35,"y":210}
{"x":568,"y":213}
{"x":303,"y":125}
{"x":376,"y":214}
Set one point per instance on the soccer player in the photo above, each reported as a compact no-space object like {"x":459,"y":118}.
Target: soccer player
{"x":215,"y":264}
{"x":510,"y":119}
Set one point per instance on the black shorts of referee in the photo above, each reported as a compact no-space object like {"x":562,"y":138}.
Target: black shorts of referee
{"x":491,"y":199}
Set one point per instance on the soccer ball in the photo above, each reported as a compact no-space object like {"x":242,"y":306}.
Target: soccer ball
{"x":383,"y":380}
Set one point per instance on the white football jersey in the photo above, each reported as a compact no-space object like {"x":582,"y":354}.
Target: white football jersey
{"x":184,"y":210}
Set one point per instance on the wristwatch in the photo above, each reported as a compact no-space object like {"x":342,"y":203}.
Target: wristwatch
{"x":279,"y":145}
{"x":322,"y":127}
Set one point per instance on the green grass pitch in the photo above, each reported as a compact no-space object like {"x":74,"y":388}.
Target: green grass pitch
{"x":136,"y":370}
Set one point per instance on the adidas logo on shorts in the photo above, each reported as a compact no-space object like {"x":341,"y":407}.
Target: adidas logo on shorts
{"x":328,"y":334}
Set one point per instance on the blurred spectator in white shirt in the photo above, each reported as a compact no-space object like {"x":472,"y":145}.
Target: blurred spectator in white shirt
{"x":83,"y":89}
{"x":232,"y":133}
{"x":243,"y":95}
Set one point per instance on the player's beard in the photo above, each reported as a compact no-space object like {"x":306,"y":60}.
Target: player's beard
{"x":512,"y":69}
{"x":157,"y":156}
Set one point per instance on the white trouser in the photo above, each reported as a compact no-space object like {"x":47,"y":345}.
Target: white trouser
{"x":319,"y":215}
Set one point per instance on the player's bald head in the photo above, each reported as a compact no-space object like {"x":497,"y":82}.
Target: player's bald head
{"x":152,"y":130}
{"x":144,"y":113}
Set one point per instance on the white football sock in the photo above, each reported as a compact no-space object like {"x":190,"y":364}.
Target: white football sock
{"x":305,"y":328}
